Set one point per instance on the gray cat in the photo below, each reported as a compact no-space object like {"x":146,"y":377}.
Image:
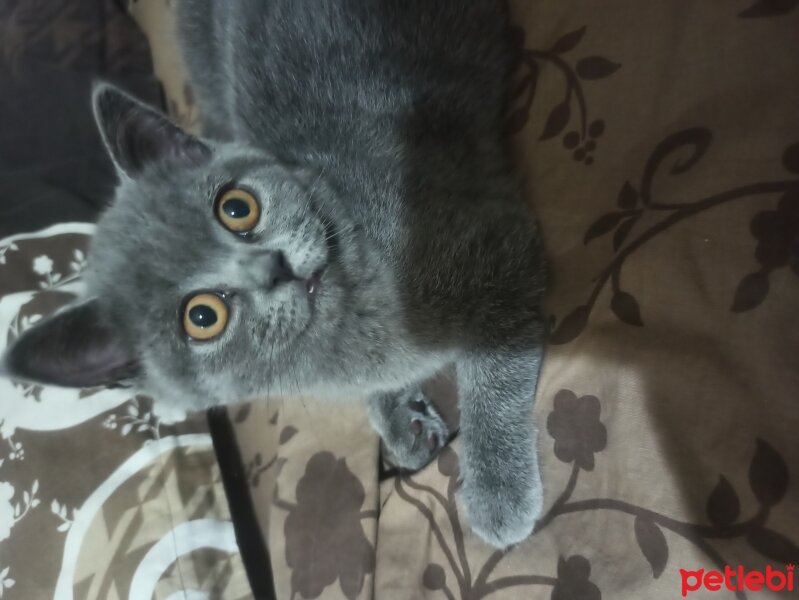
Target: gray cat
{"x":349,"y":224}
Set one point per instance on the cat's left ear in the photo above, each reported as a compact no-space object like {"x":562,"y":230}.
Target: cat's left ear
{"x":137,"y":135}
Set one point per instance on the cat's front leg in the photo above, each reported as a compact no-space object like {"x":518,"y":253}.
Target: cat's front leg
{"x":412,"y":429}
{"x":501,"y":489}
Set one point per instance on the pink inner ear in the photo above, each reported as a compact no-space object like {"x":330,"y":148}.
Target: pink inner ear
{"x":138,"y":135}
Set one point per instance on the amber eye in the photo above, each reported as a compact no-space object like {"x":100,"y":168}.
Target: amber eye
{"x":205,"y":316}
{"x":238,"y":210}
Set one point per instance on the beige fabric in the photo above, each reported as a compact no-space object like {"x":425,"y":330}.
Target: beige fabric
{"x":157,"y":20}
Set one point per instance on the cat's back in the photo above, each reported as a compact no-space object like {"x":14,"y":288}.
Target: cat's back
{"x":318,"y":76}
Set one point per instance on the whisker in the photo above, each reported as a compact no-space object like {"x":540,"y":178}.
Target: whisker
{"x":312,"y":194}
{"x":296,"y":378}
{"x":270,"y":369}
{"x":316,"y":182}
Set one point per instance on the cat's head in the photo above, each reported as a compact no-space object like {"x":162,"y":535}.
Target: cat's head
{"x":217,"y":274}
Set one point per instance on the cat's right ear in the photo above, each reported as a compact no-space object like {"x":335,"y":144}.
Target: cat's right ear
{"x":137,"y":135}
{"x":73,"y":348}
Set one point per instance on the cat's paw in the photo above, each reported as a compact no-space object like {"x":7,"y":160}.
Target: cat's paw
{"x":413,"y":432}
{"x":503,"y":508}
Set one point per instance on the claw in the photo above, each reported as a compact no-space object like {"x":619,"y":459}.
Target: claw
{"x":432,"y":441}
{"x":416,"y":426}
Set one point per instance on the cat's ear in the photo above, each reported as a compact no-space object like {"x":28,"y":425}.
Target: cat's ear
{"x":137,"y":135}
{"x":73,"y":348}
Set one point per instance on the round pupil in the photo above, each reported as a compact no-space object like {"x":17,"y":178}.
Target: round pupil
{"x":202,"y":315}
{"x":236,"y":208}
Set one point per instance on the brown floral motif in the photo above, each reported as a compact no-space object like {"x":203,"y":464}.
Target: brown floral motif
{"x":325,"y":540}
{"x":682,"y":150}
{"x":777,"y":235}
{"x":257,"y":466}
{"x":581,"y":140}
{"x":574,"y":424}
{"x":37,"y":266}
{"x":578,"y":418}
{"x":768,"y":479}
{"x":573,"y":582}
{"x":467,"y":584}
{"x":769,"y":8}
{"x":242,"y":413}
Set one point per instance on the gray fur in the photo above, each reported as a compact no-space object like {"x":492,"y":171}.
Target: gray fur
{"x":370,"y":132}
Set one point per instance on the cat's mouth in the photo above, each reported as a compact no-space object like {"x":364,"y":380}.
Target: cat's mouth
{"x":310,"y":287}
{"x":313,"y":284}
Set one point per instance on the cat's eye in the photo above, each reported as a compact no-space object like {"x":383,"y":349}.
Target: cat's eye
{"x":205,"y":316}
{"x":238,"y":210}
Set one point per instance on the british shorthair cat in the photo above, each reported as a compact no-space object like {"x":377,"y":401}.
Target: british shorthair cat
{"x":349,"y":223}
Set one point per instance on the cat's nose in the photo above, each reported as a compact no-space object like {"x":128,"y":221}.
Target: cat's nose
{"x":278,"y":269}
{"x":269,"y":268}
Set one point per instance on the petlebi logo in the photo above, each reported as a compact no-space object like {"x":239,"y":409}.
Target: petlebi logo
{"x":738,"y":579}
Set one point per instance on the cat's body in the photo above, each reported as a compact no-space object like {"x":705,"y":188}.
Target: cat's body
{"x":392,"y":237}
